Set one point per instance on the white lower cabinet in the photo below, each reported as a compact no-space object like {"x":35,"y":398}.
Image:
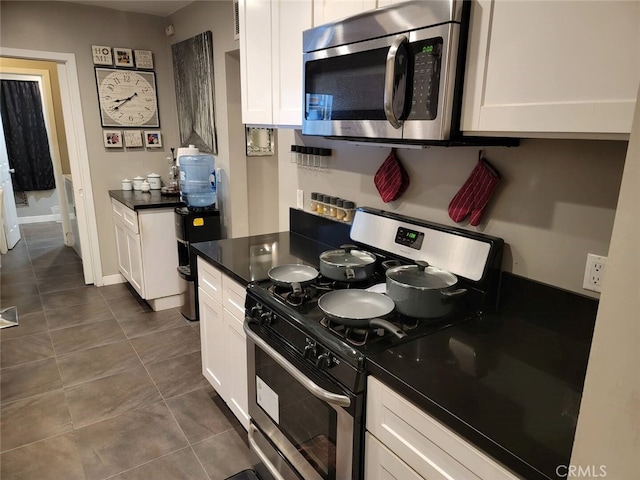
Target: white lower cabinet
{"x":223,"y":341}
{"x":404,"y":442}
{"x":147,"y":256}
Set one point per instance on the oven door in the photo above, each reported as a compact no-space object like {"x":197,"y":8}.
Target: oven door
{"x":302,"y":413}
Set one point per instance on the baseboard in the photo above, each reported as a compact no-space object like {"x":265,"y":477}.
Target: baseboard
{"x":54,"y":217}
{"x":113,"y":279}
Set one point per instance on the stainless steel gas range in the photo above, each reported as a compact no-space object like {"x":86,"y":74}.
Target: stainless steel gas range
{"x":307,"y":373}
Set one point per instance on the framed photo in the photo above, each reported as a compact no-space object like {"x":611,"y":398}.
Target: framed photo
{"x":144,"y":59}
{"x":152,"y":138}
{"x":112,"y":138}
{"x":132,"y":138}
{"x":260,"y":141}
{"x":123,"y":57}
{"x":101,"y":55}
{"x":127,"y":98}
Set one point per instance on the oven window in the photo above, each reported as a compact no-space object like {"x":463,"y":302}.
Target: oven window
{"x":346,"y":87}
{"x":308,"y":423}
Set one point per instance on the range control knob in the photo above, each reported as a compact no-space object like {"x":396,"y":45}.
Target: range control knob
{"x":310,"y":350}
{"x":324,"y":361}
{"x":265,"y":318}
{"x":256,"y":311}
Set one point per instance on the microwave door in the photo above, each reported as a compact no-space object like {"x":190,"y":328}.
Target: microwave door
{"x":344,"y":89}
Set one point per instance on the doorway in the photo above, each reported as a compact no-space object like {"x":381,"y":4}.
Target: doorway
{"x":74,"y":134}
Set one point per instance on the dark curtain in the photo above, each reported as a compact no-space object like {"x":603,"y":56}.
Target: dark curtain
{"x":26,"y":136}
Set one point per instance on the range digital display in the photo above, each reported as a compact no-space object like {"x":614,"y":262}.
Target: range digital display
{"x":409,"y":238}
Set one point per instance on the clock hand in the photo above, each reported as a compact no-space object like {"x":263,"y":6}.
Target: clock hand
{"x":122,"y":102}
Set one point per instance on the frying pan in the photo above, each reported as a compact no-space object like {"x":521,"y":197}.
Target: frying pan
{"x":293,"y":276}
{"x":359,"y":308}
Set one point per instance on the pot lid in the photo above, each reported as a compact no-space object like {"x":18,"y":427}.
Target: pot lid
{"x":422,"y":276}
{"x":153,"y":175}
{"x":348,"y":257}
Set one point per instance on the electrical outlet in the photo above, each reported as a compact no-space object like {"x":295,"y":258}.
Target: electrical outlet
{"x":594,"y":272}
{"x":300,"y":199}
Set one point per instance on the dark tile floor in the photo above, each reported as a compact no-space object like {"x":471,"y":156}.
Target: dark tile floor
{"x":95,"y":385}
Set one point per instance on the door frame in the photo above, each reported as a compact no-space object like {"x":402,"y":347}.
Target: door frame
{"x":78,"y":155}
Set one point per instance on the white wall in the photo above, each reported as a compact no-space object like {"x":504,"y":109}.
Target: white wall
{"x":555,"y":204}
{"x":609,"y":422}
{"x":40,"y":203}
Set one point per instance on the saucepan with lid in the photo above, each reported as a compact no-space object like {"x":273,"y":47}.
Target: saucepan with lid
{"x":359,"y":308}
{"x":347,"y":264}
{"x":421,"y":290}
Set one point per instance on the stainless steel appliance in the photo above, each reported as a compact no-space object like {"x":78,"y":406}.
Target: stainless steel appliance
{"x":394,"y":73}
{"x":193,"y":225}
{"x":307,"y":373}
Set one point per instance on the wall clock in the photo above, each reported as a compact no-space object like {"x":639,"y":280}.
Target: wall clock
{"x":127,"y":98}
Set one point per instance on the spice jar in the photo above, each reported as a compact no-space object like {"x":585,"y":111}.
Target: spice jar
{"x":339,"y":209}
{"x":326,"y":205}
{"x":332,"y":207}
{"x":314,"y":201}
{"x":348,"y":210}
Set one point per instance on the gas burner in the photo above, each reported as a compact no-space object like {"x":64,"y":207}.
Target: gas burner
{"x":353,"y":335}
{"x":295,"y":299}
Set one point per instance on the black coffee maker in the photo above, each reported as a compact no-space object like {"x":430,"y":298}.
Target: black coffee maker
{"x":193,"y":225}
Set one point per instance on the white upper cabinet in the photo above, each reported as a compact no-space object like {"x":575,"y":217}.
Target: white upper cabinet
{"x":325,"y":11}
{"x":271,"y":60}
{"x":552,"y":68}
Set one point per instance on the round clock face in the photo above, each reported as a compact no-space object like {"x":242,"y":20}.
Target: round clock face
{"x":127,"y":98}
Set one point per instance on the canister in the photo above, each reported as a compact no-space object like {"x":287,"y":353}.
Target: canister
{"x":155,"y":183}
{"x":126,"y":184}
{"x":137,"y":182}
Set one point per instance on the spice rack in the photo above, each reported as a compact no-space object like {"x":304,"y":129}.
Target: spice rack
{"x":310,"y":156}
{"x":334,"y":208}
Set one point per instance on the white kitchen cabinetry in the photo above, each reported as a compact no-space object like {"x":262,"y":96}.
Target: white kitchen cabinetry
{"x":404,"y":442}
{"x":147,"y":254}
{"x":325,"y":11}
{"x":223,"y":341}
{"x":271,"y":60}
{"x":552,"y":69}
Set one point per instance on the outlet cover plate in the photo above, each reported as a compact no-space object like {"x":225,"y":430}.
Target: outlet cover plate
{"x":594,"y":272}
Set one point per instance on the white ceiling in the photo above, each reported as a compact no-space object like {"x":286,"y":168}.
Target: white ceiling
{"x":161,"y":8}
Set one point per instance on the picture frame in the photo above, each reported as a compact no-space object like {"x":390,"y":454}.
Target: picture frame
{"x":101,"y":55}
{"x":112,"y":138}
{"x":123,"y":57}
{"x":260,"y":141}
{"x":152,"y":139}
{"x":143,"y":59}
{"x":132,"y":138}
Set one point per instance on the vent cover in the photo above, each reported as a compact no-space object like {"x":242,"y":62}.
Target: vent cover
{"x":236,"y":20}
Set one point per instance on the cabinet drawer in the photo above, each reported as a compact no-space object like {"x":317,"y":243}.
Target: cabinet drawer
{"x":423,"y":443}
{"x":210,"y":280}
{"x":128,"y":217}
{"x":233,"y":295}
{"x":382,"y":464}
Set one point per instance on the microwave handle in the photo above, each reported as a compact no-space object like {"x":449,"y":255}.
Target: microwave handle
{"x":389,"y":77}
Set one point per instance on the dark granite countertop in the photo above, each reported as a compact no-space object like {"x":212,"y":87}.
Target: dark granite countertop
{"x":137,"y":200}
{"x":511,"y":382}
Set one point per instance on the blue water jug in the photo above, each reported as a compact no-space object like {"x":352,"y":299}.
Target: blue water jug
{"x":198,"y":180}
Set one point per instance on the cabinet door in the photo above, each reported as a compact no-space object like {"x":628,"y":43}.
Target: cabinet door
{"x":289,"y":19}
{"x":550,"y":67}
{"x":215,"y":363}
{"x":135,"y":256}
{"x":325,"y":11}
{"x":381,"y":464}
{"x":237,"y":364}
{"x":122,"y":248}
{"x":255,"y":61}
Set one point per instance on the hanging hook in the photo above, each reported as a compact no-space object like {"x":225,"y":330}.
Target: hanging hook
{"x":480,"y":154}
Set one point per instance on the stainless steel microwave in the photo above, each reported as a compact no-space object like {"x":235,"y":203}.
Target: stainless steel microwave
{"x":391,"y":74}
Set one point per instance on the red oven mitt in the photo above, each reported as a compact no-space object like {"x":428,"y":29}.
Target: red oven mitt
{"x":475,"y":193}
{"x":391,"y":179}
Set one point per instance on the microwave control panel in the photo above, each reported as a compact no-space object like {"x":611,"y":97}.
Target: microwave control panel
{"x":426,"y":82}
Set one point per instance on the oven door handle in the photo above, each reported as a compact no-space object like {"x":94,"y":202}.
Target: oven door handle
{"x":389,"y":81}
{"x":317,"y":391}
{"x":261,"y":455}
